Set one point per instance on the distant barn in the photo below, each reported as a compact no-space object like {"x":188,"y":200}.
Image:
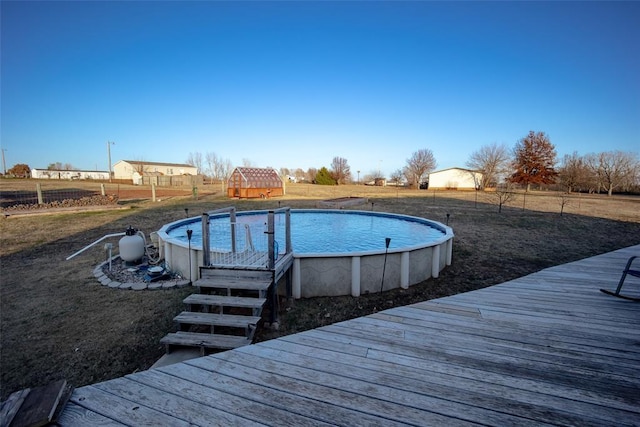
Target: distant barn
{"x":69,"y":174}
{"x":455,"y":179}
{"x":248,"y":183}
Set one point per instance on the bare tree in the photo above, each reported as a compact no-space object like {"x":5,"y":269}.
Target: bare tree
{"x":247,"y":163}
{"x":563,"y":200}
{"x":371,"y":176}
{"x":503,"y":194}
{"x":419,"y":164}
{"x":284,"y":172}
{"x":140,"y":166}
{"x":61,"y":167}
{"x":54,"y":166}
{"x":311,"y":174}
{"x":397,"y":176}
{"x":300,"y":175}
{"x":195,"y":159}
{"x":340,"y":170}
{"x":534,"y":160}
{"x":217,"y":167}
{"x":614,"y":169}
{"x":211,"y":160}
{"x":491,"y":161}
{"x":573,"y":172}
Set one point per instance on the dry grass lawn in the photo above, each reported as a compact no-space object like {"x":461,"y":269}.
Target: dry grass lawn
{"x":57,"y":321}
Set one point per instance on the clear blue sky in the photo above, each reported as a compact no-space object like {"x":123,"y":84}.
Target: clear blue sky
{"x":294,"y":84}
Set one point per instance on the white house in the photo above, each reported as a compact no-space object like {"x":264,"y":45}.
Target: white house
{"x":455,"y":179}
{"x":135,"y":170}
{"x":68,"y":174}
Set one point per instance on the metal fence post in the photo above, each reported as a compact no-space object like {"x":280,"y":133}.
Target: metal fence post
{"x":232,"y":216}
{"x":206,"y":250}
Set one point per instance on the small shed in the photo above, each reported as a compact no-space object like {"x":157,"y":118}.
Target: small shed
{"x":247,"y":183}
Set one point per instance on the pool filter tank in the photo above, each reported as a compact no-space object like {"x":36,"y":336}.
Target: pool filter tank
{"x":131,"y":246}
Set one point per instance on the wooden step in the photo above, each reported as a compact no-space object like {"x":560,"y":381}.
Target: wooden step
{"x":244,"y":273}
{"x":203,"y":341}
{"x":212,"y":319}
{"x":223,"y":301}
{"x":222,"y":282}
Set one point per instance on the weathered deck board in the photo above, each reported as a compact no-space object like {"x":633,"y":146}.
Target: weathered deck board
{"x":439,"y":375}
{"x":75,"y":415}
{"x":179,"y":408}
{"x":545,"y":349}
{"x":288,"y":401}
{"x":337,"y":391}
{"x":222,"y":398}
{"x":475,"y":393}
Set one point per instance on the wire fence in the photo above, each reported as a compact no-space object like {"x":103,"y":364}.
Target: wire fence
{"x":42,"y":196}
{"x":21,"y":195}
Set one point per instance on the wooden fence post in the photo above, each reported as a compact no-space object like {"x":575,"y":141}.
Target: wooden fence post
{"x":39,"y":191}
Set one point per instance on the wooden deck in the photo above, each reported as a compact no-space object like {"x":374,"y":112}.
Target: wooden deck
{"x":240,"y":259}
{"x":548,"y":348}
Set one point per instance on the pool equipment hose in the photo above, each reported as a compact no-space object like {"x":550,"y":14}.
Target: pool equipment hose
{"x":387,"y":240}
{"x":152,"y":259}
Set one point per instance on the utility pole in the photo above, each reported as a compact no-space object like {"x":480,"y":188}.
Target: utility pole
{"x":4,"y":164}
{"x":109,"y":143}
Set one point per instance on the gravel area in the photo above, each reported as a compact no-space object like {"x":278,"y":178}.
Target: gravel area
{"x":124,"y":275}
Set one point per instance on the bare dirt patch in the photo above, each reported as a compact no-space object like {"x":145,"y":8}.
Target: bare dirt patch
{"x":57,"y":321}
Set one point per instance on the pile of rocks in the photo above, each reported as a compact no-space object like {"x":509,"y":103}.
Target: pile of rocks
{"x":97,"y":200}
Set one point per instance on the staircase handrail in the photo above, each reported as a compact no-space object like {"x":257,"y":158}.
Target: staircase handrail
{"x":271,"y":234}
{"x":206,"y":238}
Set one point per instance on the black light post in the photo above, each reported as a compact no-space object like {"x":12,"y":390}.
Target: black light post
{"x":387,"y":240}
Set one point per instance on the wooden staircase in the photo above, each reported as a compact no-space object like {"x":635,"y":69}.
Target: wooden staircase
{"x":226,"y":311}
{"x":233,"y":289}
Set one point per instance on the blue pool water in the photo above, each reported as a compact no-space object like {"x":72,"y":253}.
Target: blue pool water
{"x":318,"y":231}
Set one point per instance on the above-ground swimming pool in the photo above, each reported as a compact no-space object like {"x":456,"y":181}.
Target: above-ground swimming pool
{"x":336,"y":252}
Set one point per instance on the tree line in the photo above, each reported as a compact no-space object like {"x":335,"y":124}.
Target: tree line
{"x":419,"y":164}
{"x":533,"y":161}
